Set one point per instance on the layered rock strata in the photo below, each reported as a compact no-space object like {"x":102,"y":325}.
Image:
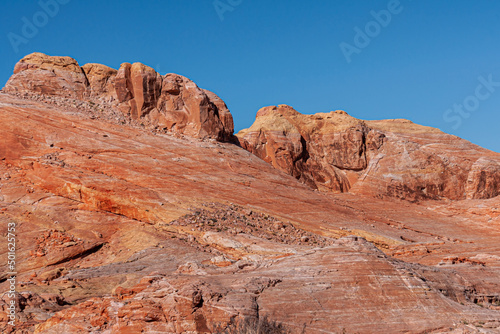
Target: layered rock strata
{"x":397,"y":158}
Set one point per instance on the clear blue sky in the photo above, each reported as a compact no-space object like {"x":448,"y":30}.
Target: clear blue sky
{"x":426,"y":59}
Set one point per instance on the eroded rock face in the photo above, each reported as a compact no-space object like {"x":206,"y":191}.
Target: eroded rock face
{"x":319,"y":149}
{"x":168,"y":103}
{"x":121,"y":230}
{"x":484,"y":179}
{"x":397,"y":158}
{"x":202,"y":303}
{"x":102,"y":80}
{"x":57,"y":76}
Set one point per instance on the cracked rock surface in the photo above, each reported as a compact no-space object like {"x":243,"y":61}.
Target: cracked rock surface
{"x":123,"y":228}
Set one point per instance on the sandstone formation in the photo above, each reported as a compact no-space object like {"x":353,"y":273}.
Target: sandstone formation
{"x":483,"y":180}
{"x":397,"y":158}
{"x":57,"y":76}
{"x":127,"y":229}
{"x":167,"y":103}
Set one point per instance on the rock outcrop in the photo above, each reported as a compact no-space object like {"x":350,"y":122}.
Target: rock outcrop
{"x":101,"y":80}
{"x":120,"y":229}
{"x":397,"y":158}
{"x":483,"y":180}
{"x":55,"y":76}
{"x":165,"y":103}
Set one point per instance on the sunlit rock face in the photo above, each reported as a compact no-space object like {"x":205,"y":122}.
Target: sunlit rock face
{"x":397,"y":158}
{"x":154,"y":228}
{"x":170,"y":102}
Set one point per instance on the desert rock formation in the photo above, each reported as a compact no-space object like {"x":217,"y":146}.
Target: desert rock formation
{"x":123,"y":228}
{"x":397,"y":158}
{"x":169,"y":103}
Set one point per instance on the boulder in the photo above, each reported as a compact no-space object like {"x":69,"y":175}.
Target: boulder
{"x":55,"y":76}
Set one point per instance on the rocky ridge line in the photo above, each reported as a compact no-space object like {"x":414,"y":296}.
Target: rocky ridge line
{"x":135,"y":93}
{"x":396,"y":158}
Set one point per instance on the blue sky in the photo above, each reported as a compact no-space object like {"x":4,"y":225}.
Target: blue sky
{"x":430,"y":56}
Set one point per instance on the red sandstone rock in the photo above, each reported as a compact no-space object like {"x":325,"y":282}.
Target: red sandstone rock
{"x":483,"y":180}
{"x":397,"y":158}
{"x":168,"y":103}
{"x":57,"y":76}
{"x":101,"y":79}
{"x":144,"y":231}
{"x":224,"y":115}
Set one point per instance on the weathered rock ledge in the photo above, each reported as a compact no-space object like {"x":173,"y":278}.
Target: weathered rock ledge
{"x":397,"y":158}
{"x":168,"y":102}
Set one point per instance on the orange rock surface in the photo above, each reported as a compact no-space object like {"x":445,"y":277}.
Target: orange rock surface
{"x":123,"y":228}
{"x":136,"y":91}
{"x":397,"y":158}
